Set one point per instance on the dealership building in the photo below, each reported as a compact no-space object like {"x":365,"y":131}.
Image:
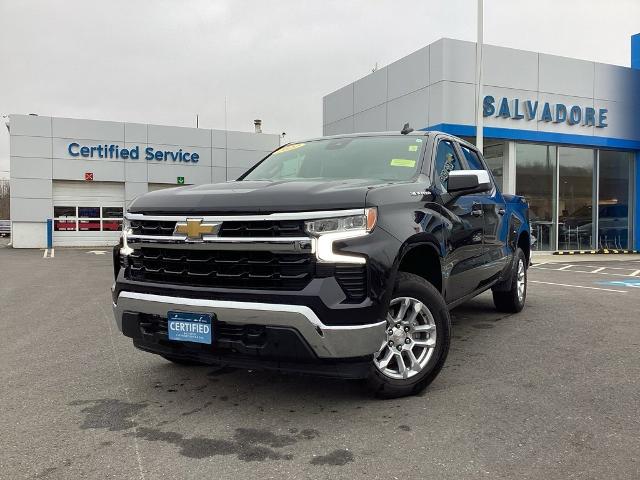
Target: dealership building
{"x":81,"y":174}
{"x":563,"y":132}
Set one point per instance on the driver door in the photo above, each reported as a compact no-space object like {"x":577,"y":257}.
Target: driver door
{"x":465,"y":237}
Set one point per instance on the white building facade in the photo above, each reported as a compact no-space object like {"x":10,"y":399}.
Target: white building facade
{"x":81,"y":174}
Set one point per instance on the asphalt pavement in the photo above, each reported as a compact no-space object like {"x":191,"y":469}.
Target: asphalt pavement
{"x":550,"y":393}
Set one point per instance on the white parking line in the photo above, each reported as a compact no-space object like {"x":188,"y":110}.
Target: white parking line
{"x":599,"y":269}
{"x":53,"y":253}
{"x":584,"y":265}
{"x":607,"y":267}
{"x":564,"y":268}
{"x":579,"y":286}
{"x":634,"y":273}
{"x":585,"y":271}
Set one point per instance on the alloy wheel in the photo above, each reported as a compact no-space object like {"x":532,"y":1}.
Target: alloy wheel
{"x":411,"y":339}
{"x":520,"y":280}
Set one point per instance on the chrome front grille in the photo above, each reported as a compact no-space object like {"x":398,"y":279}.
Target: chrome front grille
{"x":152,"y":227}
{"x":244,"y":229}
{"x":236,"y":229}
{"x":223,"y":269}
{"x":262,"y":252}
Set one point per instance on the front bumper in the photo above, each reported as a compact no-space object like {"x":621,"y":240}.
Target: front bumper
{"x":325,"y":341}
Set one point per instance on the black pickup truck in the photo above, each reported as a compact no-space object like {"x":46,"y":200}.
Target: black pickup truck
{"x":337,"y":256}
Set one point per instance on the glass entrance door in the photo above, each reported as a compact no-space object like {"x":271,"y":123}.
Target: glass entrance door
{"x":614,"y":194}
{"x":576,"y":216}
{"x":536,"y":180}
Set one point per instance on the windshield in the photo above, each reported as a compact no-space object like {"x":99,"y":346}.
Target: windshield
{"x":377,"y":158}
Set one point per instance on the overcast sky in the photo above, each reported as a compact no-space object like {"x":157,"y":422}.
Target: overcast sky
{"x":164,"y":61}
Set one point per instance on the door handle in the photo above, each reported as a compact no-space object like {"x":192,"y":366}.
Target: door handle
{"x":501,"y":211}
{"x":476,"y":209}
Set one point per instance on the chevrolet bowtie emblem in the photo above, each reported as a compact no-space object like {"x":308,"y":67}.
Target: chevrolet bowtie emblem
{"x":194,"y":229}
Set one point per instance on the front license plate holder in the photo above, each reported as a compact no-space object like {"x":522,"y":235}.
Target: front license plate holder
{"x":190,"y":327}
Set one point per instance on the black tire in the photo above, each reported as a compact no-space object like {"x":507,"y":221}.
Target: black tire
{"x":410,"y":285}
{"x":183,"y":361}
{"x":505,"y":294}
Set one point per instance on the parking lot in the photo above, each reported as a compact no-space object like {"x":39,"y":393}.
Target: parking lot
{"x":552,"y":392}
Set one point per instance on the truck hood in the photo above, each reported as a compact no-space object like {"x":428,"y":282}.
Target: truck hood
{"x":255,"y":196}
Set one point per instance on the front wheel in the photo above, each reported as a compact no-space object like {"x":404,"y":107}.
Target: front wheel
{"x":417,"y":340}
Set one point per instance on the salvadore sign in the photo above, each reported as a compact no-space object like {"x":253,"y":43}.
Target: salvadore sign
{"x":517,"y":109}
{"x":116,"y":152}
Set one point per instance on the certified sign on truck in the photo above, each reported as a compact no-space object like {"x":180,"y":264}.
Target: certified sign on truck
{"x":189,"y":327}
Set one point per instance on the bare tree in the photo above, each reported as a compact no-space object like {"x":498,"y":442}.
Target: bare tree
{"x":4,"y":198}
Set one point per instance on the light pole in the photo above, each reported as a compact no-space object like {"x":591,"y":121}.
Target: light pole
{"x":479,"y":117}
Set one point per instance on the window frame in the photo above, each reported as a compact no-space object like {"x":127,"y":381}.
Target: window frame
{"x":434,"y":175}
{"x":102,"y":215}
{"x":111,"y":219}
{"x":69,"y":219}
{"x":101,"y":218}
{"x":472,"y":148}
{"x":473,"y":151}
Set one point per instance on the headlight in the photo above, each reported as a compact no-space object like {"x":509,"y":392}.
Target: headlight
{"x":329,"y":230}
{"x":365,"y":222}
{"x":126,"y":230}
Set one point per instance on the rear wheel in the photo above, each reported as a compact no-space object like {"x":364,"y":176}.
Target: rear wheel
{"x":417,"y":340}
{"x":511,"y":294}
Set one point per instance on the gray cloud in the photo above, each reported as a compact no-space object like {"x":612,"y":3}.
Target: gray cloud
{"x":164,"y":61}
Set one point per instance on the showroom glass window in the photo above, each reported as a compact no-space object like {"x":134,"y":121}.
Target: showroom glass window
{"x":575,"y":198}
{"x":535,"y":180}
{"x":494,"y":157}
{"x":613,"y":200}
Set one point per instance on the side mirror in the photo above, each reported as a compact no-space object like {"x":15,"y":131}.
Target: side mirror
{"x":468,"y":181}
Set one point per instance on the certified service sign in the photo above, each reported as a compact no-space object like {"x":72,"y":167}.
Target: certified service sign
{"x":115,"y":151}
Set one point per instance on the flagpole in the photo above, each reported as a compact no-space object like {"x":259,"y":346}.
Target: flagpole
{"x":479,"y":117}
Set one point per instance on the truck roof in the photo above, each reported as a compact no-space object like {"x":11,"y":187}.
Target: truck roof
{"x":395,"y":133}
